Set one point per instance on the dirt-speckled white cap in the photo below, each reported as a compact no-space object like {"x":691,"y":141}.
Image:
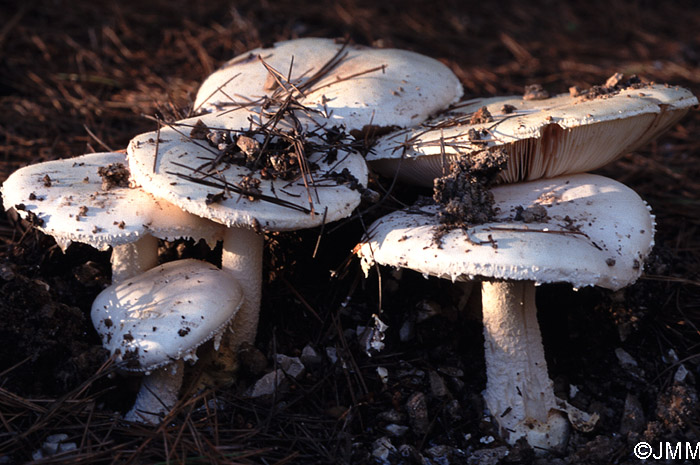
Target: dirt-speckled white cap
{"x":543,"y":138}
{"x":597,"y":232}
{"x":65,"y":198}
{"x":382,"y":87}
{"x":165,"y":313}
{"x":178,"y":155}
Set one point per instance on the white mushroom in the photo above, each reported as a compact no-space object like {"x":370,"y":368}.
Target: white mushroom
{"x":353,"y":85}
{"x":543,"y":138}
{"x":156,"y":320}
{"x":69,"y":200}
{"x":176,"y":169}
{"x":595,"y":231}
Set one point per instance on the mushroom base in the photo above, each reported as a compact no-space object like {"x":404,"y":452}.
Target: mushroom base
{"x":519,"y":393}
{"x":158,"y":394}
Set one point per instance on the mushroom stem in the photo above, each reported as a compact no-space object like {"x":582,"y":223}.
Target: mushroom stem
{"x":129,"y":260}
{"x":158,"y":394}
{"x":242,"y":257}
{"x":519,"y":393}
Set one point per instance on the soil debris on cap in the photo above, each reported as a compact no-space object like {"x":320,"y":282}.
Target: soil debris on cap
{"x":370,"y":133}
{"x":248,"y":145}
{"x":531,"y":214}
{"x":114,"y":175}
{"x":251,"y":187}
{"x":82,"y":211}
{"x":346,"y":177}
{"x":481,"y":116}
{"x":215,"y":198}
{"x":199,"y":130}
{"x":31,"y":217}
{"x":535,"y":92}
{"x":507,"y":109}
{"x":613,"y":85}
{"x":277,"y":157}
{"x":464,"y":194}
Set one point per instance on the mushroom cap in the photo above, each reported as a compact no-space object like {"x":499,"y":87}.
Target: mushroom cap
{"x":165,"y":313}
{"x":543,"y":138}
{"x":178,"y":155}
{"x":356,"y":92}
{"x":71,"y":205}
{"x":596,"y":232}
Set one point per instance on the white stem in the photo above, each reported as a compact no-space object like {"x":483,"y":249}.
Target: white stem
{"x":129,"y":260}
{"x":518,"y":392}
{"x":242,"y":257}
{"x":158,"y":394}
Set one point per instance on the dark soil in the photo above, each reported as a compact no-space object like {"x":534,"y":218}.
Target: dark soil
{"x":464,"y":194}
{"x":77,"y":77}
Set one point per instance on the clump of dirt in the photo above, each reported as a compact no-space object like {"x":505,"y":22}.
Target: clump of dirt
{"x":277,"y":157}
{"x":114,"y":175}
{"x":535,"y":92}
{"x":507,"y":109}
{"x":481,"y":116}
{"x":369,"y":133}
{"x":30,"y":216}
{"x":199,"y":130}
{"x":251,"y":187}
{"x":613,"y":85}
{"x":530,"y":214}
{"x":464,"y":194}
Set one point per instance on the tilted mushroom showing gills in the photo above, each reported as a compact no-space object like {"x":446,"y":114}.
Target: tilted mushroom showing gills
{"x":323,"y":185}
{"x":543,"y":138}
{"x":352,"y":85}
{"x":156,"y":320}
{"x":587,"y":230}
{"x":87,"y":199}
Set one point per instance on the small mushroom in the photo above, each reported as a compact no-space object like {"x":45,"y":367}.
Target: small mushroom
{"x":543,"y":138}
{"x":590,"y":219}
{"x":156,"y":320}
{"x":127,"y":219}
{"x":353,"y":86}
{"x":189,"y":174}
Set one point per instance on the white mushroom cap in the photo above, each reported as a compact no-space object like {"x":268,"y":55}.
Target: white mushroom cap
{"x":408,"y":89}
{"x":544,"y":138}
{"x":164,"y":314}
{"x":179,"y":154}
{"x":329,"y":190}
{"x":71,"y":205}
{"x":597,"y":232}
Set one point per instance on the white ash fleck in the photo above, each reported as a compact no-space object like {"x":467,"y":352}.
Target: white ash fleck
{"x":395,"y":430}
{"x":291,"y":366}
{"x":383,"y":374}
{"x":625,"y":359}
{"x":383,"y":449}
{"x":54,"y":444}
{"x":681,"y":375}
{"x":309,"y":356}
{"x":371,"y":338}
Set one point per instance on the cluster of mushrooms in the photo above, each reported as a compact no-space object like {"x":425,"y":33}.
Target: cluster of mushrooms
{"x":280,"y":144}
